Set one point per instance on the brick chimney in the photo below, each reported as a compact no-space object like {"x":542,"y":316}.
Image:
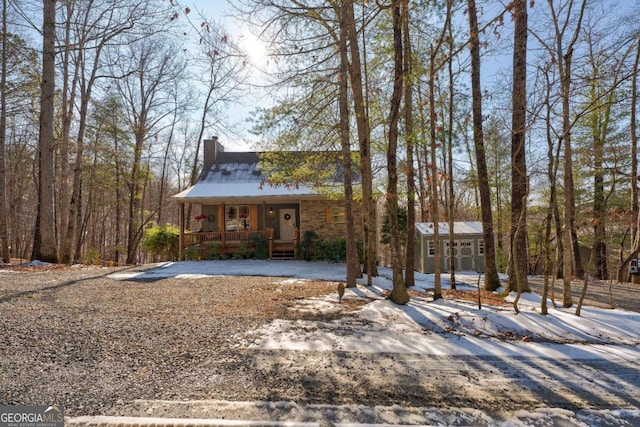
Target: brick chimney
{"x":211,"y":149}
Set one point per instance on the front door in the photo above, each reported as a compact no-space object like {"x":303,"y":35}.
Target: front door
{"x":287,"y":224}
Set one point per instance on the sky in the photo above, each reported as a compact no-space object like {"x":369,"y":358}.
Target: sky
{"x":599,"y":334}
{"x":220,"y":11}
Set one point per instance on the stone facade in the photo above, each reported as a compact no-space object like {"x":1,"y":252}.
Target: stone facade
{"x":316,"y":215}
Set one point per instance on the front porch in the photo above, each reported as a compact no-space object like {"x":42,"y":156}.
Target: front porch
{"x":232,"y":242}
{"x":246,"y":228}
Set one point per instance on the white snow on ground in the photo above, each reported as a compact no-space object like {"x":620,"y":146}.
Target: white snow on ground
{"x":444,"y":327}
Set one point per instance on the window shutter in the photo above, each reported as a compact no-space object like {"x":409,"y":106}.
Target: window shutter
{"x":254,"y":217}
{"x":328,"y":212}
{"x":221,"y":218}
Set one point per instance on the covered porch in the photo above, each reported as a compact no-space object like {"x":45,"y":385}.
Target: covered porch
{"x":264,"y":228}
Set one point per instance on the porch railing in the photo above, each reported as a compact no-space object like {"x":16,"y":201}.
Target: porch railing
{"x":228,"y":241}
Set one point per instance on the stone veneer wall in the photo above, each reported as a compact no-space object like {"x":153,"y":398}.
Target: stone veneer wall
{"x":313,"y":216}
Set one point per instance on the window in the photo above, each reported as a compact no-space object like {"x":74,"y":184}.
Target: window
{"x":431,"y":248}
{"x":237,"y":217}
{"x":480,"y":247}
{"x":337,"y":215}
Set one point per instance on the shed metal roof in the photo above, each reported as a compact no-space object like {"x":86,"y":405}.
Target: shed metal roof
{"x":459,"y":228}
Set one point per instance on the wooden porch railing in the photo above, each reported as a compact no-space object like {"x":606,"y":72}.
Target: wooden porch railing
{"x":228,"y":241}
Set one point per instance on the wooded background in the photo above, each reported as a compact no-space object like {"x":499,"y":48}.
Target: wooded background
{"x":521,"y":115}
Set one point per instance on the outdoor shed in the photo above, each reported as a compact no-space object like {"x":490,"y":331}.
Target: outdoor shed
{"x":468,"y":246}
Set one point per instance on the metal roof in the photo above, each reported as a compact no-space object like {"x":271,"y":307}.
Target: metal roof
{"x":459,"y":228}
{"x":236,"y":175}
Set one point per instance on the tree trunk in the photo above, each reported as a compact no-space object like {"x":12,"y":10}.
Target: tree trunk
{"x":491,"y":280}
{"x":450,"y":189}
{"x":44,"y":245}
{"x":364,"y":142}
{"x":69,"y":86}
{"x":435,"y":209}
{"x":352,"y":253}
{"x":518,"y":280}
{"x":409,"y":278}
{"x":571,"y":251}
{"x":4,"y":206}
{"x":623,"y":271}
{"x":399,"y":293}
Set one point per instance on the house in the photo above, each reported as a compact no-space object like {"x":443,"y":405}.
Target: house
{"x":468,"y":245}
{"x":236,"y":207}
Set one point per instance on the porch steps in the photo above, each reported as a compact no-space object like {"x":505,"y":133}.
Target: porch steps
{"x":282,"y":254}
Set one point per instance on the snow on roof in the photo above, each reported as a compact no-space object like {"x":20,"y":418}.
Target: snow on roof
{"x":237,"y":175}
{"x":204,"y":190}
{"x":459,"y":227}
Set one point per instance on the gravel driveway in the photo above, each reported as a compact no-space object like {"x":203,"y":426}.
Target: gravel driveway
{"x":101,"y":346}
{"x":80,"y":338}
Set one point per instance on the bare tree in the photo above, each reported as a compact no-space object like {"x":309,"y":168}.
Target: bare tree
{"x":146,"y":88}
{"x":563,"y":57}
{"x":91,"y":28}
{"x":364,"y":141}
{"x":44,"y":245}
{"x":519,"y":180}
{"x":623,"y":270}
{"x":352,"y":254}
{"x":399,"y":293}
{"x":410,"y":138}
{"x":4,"y":207}
{"x":491,"y":281}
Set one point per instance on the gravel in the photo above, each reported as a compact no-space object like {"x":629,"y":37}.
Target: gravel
{"x":77,"y":337}
{"x":102,"y":346}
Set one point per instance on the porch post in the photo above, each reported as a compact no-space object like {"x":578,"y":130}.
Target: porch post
{"x":224,"y":226}
{"x":181,"y":237}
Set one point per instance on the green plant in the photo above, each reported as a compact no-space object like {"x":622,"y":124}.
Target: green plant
{"x":193,"y":253}
{"x":242,"y":252}
{"x":331,"y":250}
{"x":261,"y":244}
{"x":212,"y":252}
{"x":313,"y":248}
{"x":307,"y":244}
{"x":162,"y":241}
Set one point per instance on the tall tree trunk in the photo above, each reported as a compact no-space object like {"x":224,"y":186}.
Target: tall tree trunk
{"x":409,"y":278}
{"x":352,"y":253}
{"x":44,"y":244}
{"x":4,"y":206}
{"x":399,"y":293}
{"x":423,"y":172}
{"x":69,"y":85}
{"x":364,"y":142}
{"x":450,"y":188}
{"x":119,"y":200}
{"x":600,"y":269}
{"x":135,"y":195}
{"x":491,"y":280}
{"x":553,"y":163}
{"x":518,"y":280}
{"x":571,"y":250}
{"x":433,"y":167}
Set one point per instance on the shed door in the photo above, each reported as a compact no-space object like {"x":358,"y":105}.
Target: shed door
{"x":287,"y":224}
{"x":463,"y":253}
{"x":466,"y":255}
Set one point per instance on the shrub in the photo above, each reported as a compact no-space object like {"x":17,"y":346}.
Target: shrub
{"x":162,"y":241}
{"x":261,"y":244}
{"x":313,"y":248}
